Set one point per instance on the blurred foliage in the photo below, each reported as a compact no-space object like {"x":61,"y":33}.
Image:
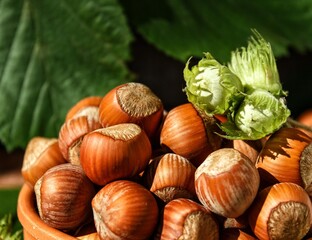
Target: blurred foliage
{"x":188,"y":28}
{"x":8,"y":201}
{"x":53,"y":53}
{"x":10,"y":227}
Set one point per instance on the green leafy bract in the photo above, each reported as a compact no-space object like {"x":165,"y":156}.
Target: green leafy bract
{"x":251,"y":95}
{"x":259,"y":115}
{"x":256,"y":66}
{"x":52,"y":54}
{"x":212,"y":87}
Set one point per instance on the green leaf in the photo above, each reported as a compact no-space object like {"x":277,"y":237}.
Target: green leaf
{"x":6,"y":229}
{"x":10,"y":227}
{"x":53,"y":53}
{"x":189,"y":28}
{"x":8,"y":200}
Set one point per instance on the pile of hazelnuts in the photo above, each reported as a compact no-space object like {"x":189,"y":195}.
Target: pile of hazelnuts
{"x":122,"y":167}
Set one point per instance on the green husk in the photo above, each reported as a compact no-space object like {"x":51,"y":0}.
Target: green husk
{"x":256,"y":66}
{"x":248,"y":92}
{"x":259,"y":115}
{"x":211,"y":86}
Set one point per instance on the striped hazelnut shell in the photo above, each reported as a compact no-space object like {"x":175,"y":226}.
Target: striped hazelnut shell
{"x":124,"y":209}
{"x":287,"y":157}
{"x":132,"y":102}
{"x":41,"y":154}
{"x":227,"y":182}
{"x":281,"y":211}
{"x":170,"y":176}
{"x":116,"y":152}
{"x":186,"y":133}
{"x":186,"y":219}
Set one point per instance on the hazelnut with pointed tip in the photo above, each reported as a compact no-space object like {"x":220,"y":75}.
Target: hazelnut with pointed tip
{"x":40,"y":155}
{"x":227,"y":182}
{"x":63,"y":196}
{"x":115,"y":152}
{"x":170,"y":176}
{"x":124,"y":209}
{"x":186,"y":133}
{"x":186,"y":219}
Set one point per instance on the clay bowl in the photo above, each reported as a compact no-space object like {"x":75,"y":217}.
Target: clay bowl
{"x":33,"y":226}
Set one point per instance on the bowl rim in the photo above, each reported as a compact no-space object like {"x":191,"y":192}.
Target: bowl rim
{"x":28,"y":216}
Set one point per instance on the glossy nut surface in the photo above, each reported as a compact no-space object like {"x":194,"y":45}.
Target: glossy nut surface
{"x":72,"y":132}
{"x":185,"y":219}
{"x":125,"y":210}
{"x":281,"y":211}
{"x":63,"y":196}
{"x":115,"y":152}
{"x":33,"y":226}
{"x":86,"y":106}
{"x":287,"y":157}
{"x":187,"y":134}
{"x":227,"y":182}
{"x":170,"y":176}
{"x":250,"y":148}
{"x":236,"y":234}
{"x":132,"y":102}
{"x":40,"y":155}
